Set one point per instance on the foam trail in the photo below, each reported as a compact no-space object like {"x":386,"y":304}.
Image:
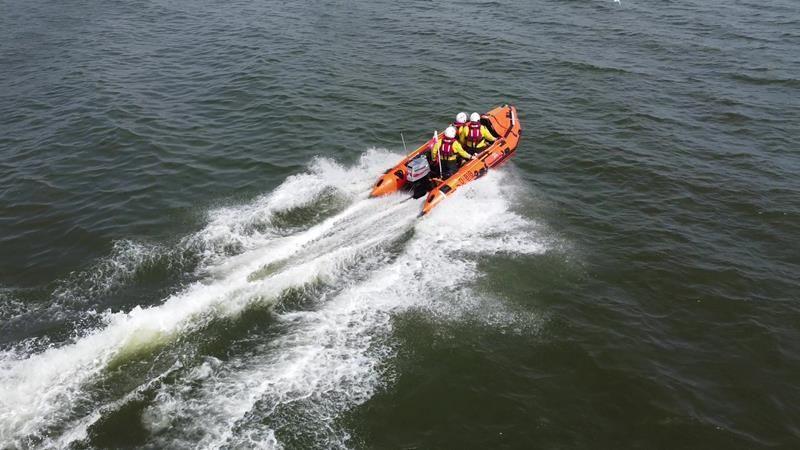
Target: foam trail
{"x":38,"y":389}
{"x":10,"y":306}
{"x":79,"y":430}
{"x":119,"y":267}
{"x":230,"y":230}
{"x":331,"y":359}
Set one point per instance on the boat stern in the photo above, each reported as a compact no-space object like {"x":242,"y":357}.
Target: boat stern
{"x":388,"y":183}
{"x":434,"y":198}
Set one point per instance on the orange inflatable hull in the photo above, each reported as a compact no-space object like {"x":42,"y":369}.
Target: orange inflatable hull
{"x":505,"y":124}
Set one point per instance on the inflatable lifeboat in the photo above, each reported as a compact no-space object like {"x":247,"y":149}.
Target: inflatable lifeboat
{"x":409,"y":174}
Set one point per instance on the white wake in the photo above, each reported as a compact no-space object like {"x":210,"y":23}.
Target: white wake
{"x":331,"y":357}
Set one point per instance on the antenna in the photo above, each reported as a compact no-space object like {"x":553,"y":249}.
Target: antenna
{"x":404,"y":142}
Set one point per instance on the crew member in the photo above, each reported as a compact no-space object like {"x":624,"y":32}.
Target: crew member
{"x":459,"y":124}
{"x":475,"y":136}
{"x":450,"y":150}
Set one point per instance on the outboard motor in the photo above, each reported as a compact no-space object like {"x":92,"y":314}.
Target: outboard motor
{"x":419,"y":175}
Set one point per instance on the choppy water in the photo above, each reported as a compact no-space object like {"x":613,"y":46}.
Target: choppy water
{"x":188,"y":255}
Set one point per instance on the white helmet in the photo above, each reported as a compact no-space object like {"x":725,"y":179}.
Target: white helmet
{"x":450,"y":132}
{"x":461,"y":117}
{"x":475,"y":117}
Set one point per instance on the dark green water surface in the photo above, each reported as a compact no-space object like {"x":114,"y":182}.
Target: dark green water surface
{"x":188,"y":257}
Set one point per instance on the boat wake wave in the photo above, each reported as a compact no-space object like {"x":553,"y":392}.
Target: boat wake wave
{"x":310,"y":278}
